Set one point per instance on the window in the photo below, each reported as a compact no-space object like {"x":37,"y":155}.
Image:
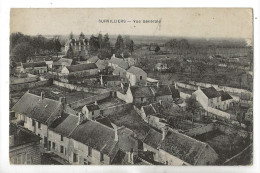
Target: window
{"x":89,"y":151}
{"x":39,"y":125}
{"x":93,"y":113}
{"x":53,"y":145}
{"x":75,"y":157}
{"x":33,"y":123}
{"x":89,"y":163}
{"x":101,"y":157}
{"x":61,"y":149}
{"x":61,"y":137}
{"x":142,"y":99}
{"x":85,"y":162}
{"x":141,"y":77}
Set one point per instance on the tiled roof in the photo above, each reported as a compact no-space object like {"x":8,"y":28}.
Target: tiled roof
{"x":96,"y":136}
{"x":120,"y":62}
{"x":93,"y":59}
{"x":131,"y":120}
{"x":34,"y":64}
{"x":175,"y":92}
{"x":81,"y":67}
{"x":157,"y":107}
{"x":111,"y":78}
{"x":141,"y":91}
{"x":101,"y":64}
{"x":148,"y":110}
{"x":153,"y":138}
{"x":36,"y":108}
{"x":21,"y":136}
{"x":162,"y":90}
{"x":65,"y":124}
{"x":211,"y":92}
{"x":63,"y":61}
{"x":135,"y":70}
{"x":183,"y":147}
{"x":92,"y":107}
{"x":225,"y":96}
{"x":177,"y":144}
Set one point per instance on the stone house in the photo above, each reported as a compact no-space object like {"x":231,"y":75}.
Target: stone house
{"x":141,"y":94}
{"x":24,"y":146}
{"x":37,"y":113}
{"x":226,"y":100}
{"x":92,"y":143}
{"x":93,"y":59}
{"x":91,"y":111}
{"x":79,"y":48}
{"x":208,"y":97}
{"x":161,"y":67}
{"x":173,"y":148}
{"x":110,"y":80}
{"x":136,"y":76}
{"x":81,"y":70}
{"x":118,"y":62}
{"x":58,"y":135}
{"x":165,"y":92}
{"x":61,"y":63}
{"x":34,"y":67}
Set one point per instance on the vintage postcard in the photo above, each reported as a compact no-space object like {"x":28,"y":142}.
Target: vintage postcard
{"x":131,"y":86}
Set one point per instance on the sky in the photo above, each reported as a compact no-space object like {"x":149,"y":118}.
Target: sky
{"x":176,"y":22}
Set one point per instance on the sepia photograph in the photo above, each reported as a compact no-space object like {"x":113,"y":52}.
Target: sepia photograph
{"x":131,"y":86}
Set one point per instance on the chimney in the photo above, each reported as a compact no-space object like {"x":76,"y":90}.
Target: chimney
{"x":101,"y":80}
{"x":113,"y":56}
{"x":164,"y":132}
{"x":42,"y":95}
{"x":160,"y":101}
{"x":175,"y":85}
{"x":95,"y":103}
{"x":198,"y":87}
{"x":63,"y":101}
{"x":80,"y":118}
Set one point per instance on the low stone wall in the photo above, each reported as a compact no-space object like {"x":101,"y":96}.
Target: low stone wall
{"x":118,"y":108}
{"x":79,"y":88}
{"x":201,"y":130}
{"x":231,"y":130}
{"x":218,"y":87}
{"x":184,"y":95}
{"x":26,"y":86}
{"x":89,"y":100}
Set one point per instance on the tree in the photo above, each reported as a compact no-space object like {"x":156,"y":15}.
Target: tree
{"x":129,"y":44}
{"x":93,"y":44}
{"x":201,"y":67}
{"x":192,"y":106}
{"x":157,"y":48}
{"x":23,"y":51}
{"x":104,"y":53}
{"x":100,"y":40}
{"x":106,"y":41}
{"x":57,"y":45}
{"x":81,"y":36}
{"x":14,"y":37}
{"x":119,"y":45}
{"x":71,"y":36}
